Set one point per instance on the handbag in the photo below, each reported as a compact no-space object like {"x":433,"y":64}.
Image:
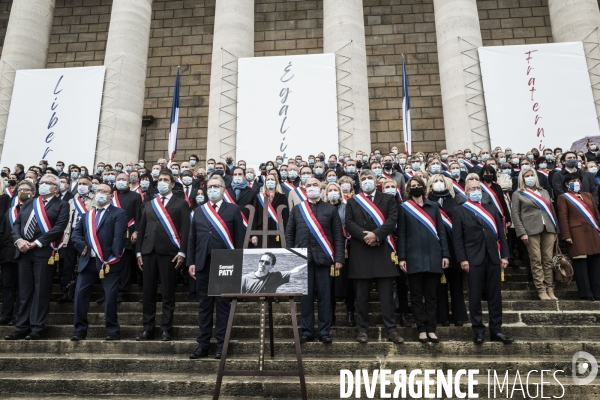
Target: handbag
{"x":563,"y":270}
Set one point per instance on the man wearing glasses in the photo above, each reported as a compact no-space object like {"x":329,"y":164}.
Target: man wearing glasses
{"x":263,"y":280}
{"x":36,"y":232}
{"x":215,"y":225}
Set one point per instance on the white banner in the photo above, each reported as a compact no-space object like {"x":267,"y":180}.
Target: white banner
{"x":537,"y":95}
{"x":54,"y":116}
{"x":286,"y":106}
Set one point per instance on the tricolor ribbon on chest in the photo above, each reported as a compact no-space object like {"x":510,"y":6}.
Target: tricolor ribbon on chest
{"x":301,"y":193}
{"x":39,"y":212}
{"x":583,"y":209}
{"x":494,"y":198}
{"x":446,"y":219}
{"x":165,"y":221}
{"x":271,"y":209}
{"x":13,"y":212}
{"x":288,"y":186}
{"x":80,"y":206}
{"x":459,"y":190}
{"x":413,"y":209}
{"x":541,"y":203}
{"x":218,"y":223}
{"x":92,"y":240}
{"x":227,"y":197}
{"x":378,"y":217}
{"x":487,"y":218}
{"x":316,"y":229}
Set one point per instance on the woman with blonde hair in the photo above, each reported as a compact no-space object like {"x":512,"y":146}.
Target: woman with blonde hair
{"x":271,"y":190}
{"x":536,"y":225}
{"x":441,"y":191}
{"x":347,"y":186}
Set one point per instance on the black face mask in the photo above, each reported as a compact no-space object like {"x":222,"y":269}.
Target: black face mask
{"x":572,"y":163}
{"x":359,"y":164}
{"x":322,"y":158}
{"x":388,"y":165}
{"x":12,"y":182}
{"x":488,"y":178}
{"x":331,"y":165}
{"x":416,"y":192}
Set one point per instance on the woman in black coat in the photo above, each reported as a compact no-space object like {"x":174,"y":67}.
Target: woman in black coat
{"x":423,"y":255}
{"x":276,"y":197}
{"x":441,"y":192}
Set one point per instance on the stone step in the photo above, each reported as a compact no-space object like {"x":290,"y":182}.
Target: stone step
{"x":160,"y":384}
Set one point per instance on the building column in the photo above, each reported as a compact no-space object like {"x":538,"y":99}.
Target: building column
{"x":25,"y":47}
{"x":344,"y":29}
{"x":576,"y":21}
{"x":454,"y":19}
{"x":125,"y":81}
{"x":233,"y":38}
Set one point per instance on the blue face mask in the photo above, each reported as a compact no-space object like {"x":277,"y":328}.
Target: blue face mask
{"x":283,"y":174}
{"x":199,"y":199}
{"x":145,"y":184}
{"x":351,"y":170}
{"x":219,"y":172}
{"x":213,"y":194}
{"x":118,"y":169}
{"x":163,"y":187}
{"x":507,"y":171}
{"x":377,"y":172}
{"x":548,"y":157}
{"x":100,"y":169}
{"x":331,"y":179}
{"x":101,"y":199}
{"x":367,"y":185}
{"x":110,"y":178}
{"x":476,"y":196}
{"x":455,"y":173}
{"x":270,"y":185}
{"x":74,"y":174}
{"x":94,"y":186}
{"x":435,"y":169}
{"x":305,"y":177}
{"x":416,"y":166}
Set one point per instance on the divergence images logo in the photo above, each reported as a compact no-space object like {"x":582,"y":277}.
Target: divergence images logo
{"x":582,"y":367}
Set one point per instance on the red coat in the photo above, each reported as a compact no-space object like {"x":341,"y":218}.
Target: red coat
{"x":573,"y":225}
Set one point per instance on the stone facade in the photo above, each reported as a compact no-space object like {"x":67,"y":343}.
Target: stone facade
{"x":181,"y":35}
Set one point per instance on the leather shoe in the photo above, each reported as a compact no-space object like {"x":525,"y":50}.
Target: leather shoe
{"x":5,"y":320}
{"x":446,"y":323}
{"x":325,"y":339}
{"x":77,"y":336}
{"x":304,"y":339}
{"x":113,"y":336}
{"x":501,"y":337}
{"x":478,"y":339}
{"x":146,"y":335}
{"x":33,"y":336}
{"x":64,"y":299}
{"x":395,"y":337}
{"x":405,"y":321}
{"x":166,"y":336}
{"x":351,"y":319}
{"x":218,"y":354}
{"x":458,"y":323}
{"x":362,"y":337}
{"x":199,"y":353}
{"x":100,"y":300}
{"x":15,"y":336}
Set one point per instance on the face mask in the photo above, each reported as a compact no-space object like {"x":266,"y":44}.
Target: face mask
{"x":455,"y":173}
{"x":311,"y":161}
{"x":574,"y":187}
{"x":214,"y":194}
{"x":187,"y":180}
{"x":24,"y":196}
{"x":365,"y":158}
{"x":508,"y":152}
{"x":62,"y":187}
{"x":269,"y":167}
{"x":229,"y":161}
{"x":377,"y":172}
{"x":367,"y":185}
{"x":101,"y":199}
{"x":293,"y":174}
{"x":530,"y":157}
{"x":485,"y":156}
{"x":279,"y":161}
{"x":548,"y":157}
{"x":318,"y":171}
{"x":592,"y":170}
{"x":525,"y":167}
{"x":377,"y":156}
{"x":495,"y":167}
{"x":59,"y":168}
{"x":420,"y":158}
{"x":94,"y":187}
{"x":391,"y":191}
{"x":243,"y":166}
{"x":270,"y":185}
{"x":313,"y":192}
{"x":468,"y":155}
{"x":128,"y":168}
{"x":110,"y":178}
{"x":83,"y":173}
{"x":219,"y":172}
{"x":100,"y":170}
{"x":200,"y":176}
{"x":416,"y":192}
{"x":175,"y":171}
{"x":237,"y":180}
{"x":473,"y":158}
{"x":305,"y":177}
{"x":133,"y":179}
{"x":332,"y":165}
{"x":249,"y":176}
{"x":121,"y":185}
{"x":331,"y":179}
{"x":572,"y":163}
{"x":210,"y":167}
{"x":402,"y":161}
{"x":435,"y":169}
{"x":155,"y":173}
{"x":543,"y":165}
{"x":530,"y":180}
{"x":44,"y":189}
{"x":439,"y":187}
{"x":350,"y":170}
{"x":346,"y":187}
{"x":200,"y":199}
{"x":475,"y":196}
{"x":488,"y":178}
{"x":183,"y":169}
{"x":444,"y":157}
{"x":395,"y":151}
{"x":142,"y":164}
{"x":118,"y":169}
{"x":388,"y":165}
{"x":416,"y":166}
{"x":346,"y":159}
{"x":74,"y":175}
{"x":408,"y":169}
{"x":593,"y":147}
{"x":461,"y":160}
{"x":359,"y":164}
{"x":507,"y":171}
{"x":145,"y":184}
{"x":12,"y":182}
{"x":579,"y":165}
{"x":502,"y":160}
{"x":515,"y":161}
{"x":283,"y":174}
{"x":192,"y":163}
{"x":163,"y":187}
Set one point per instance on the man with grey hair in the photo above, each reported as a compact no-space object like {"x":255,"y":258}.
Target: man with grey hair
{"x":37,"y":232}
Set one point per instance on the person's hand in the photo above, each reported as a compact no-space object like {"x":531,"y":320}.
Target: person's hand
{"x":192,"y":271}
{"x":508,"y":224}
{"x":254,"y":240}
{"x":31,"y":245}
{"x":84,"y":251}
{"x":464,"y":265}
{"x":338,"y":265}
{"x":570,"y":241}
{"x":402,"y":265}
{"x":140,"y":263}
{"x":525,"y":239}
{"x":370,"y":238}
{"x":504,"y":263}
{"x":133,"y":237}
{"x":22,"y":246}
{"x":445,"y":263}
{"x":178,"y":259}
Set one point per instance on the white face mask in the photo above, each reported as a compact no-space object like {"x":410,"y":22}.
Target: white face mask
{"x":187,"y":180}
{"x":391,"y":191}
{"x":439,"y":186}
{"x":313,"y":192}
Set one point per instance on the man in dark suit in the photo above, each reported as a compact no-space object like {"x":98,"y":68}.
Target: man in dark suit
{"x":110,"y":229}
{"x":34,"y":248}
{"x":371,"y":257}
{"x":204,"y":238}
{"x":241,"y":193}
{"x":160,"y":247}
{"x":482,"y":251}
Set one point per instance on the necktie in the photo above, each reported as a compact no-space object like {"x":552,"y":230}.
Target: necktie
{"x":215,"y":206}
{"x":163,"y":199}
{"x":370,"y":198}
{"x":98,"y":214}
{"x":32,"y":225}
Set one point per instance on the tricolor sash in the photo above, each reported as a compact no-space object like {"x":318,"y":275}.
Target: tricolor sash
{"x":494,"y":198}
{"x":447,"y":173}
{"x":446,"y":219}
{"x":9,"y":191}
{"x":444,"y":164}
{"x":482,"y":213}
{"x":288,"y":186}
{"x":557,"y":169}
{"x":459,"y":190}
{"x":468,"y":163}
{"x":420,"y":214}
{"x":140,"y":192}
{"x":517,"y":170}
{"x":14,"y":200}
{"x":271,"y":210}
{"x":316,"y":229}
{"x":227,"y":197}
{"x":409,"y":174}
{"x":80,"y":206}
{"x":13,"y":212}
{"x":301,"y":193}
{"x":94,"y":243}
{"x":40,"y":215}
{"x":540,"y":202}
{"x":216,"y":221}
{"x":115,"y":200}
{"x":583,"y":209}
{"x":377,"y":216}
{"x":543,"y":172}
{"x":165,"y":220}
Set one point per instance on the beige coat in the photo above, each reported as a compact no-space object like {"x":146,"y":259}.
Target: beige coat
{"x":88,"y":204}
{"x":528,"y":218}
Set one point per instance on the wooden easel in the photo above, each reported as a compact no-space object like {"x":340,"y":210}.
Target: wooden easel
{"x":262,"y":299}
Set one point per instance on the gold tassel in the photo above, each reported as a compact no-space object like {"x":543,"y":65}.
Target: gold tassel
{"x":277,"y":238}
{"x":102,"y":274}
{"x":51,"y":260}
{"x":443,"y":280}
{"x":502,"y":276}
{"x":337,"y":272}
{"x":394,"y":257}
{"x":107,"y":269}
{"x":56,"y":257}
{"x":345,"y":253}
{"x":332,"y":270}
{"x":127,"y":234}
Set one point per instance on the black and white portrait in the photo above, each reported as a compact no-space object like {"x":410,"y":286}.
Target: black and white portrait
{"x":274,"y":271}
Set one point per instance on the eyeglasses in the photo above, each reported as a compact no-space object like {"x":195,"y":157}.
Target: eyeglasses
{"x":215,"y":187}
{"x":24,"y":190}
{"x":102,"y":191}
{"x":266,"y":262}
{"x":48,"y":183}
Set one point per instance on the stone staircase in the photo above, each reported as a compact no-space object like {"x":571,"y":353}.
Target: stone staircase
{"x":547,"y":335}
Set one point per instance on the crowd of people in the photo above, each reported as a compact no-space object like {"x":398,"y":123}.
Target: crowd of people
{"x":418,"y":226}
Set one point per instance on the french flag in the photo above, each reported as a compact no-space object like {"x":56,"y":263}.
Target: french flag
{"x":174,"y":121}
{"x":406,"y":111}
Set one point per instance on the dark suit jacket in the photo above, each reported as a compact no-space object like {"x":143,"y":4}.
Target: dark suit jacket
{"x":204,"y":238}
{"x":365,"y":261}
{"x":131,"y":203}
{"x":152,"y":236}
{"x":111,"y":235}
{"x":58,"y":215}
{"x":473,"y":238}
{"x":68,"y":196}
{"x":247,"y":196}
